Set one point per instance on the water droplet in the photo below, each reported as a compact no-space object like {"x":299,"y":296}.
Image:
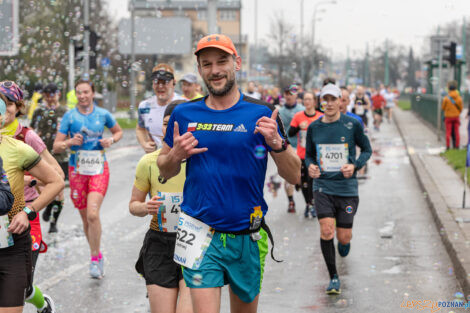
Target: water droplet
{"x":260,"y":152}
{"x":197,"y":279}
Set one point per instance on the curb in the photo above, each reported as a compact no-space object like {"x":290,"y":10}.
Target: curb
{"x":443,"y":218}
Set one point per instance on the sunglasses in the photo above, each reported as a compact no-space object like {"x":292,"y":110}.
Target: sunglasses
{"x":161,"y":74}
{"x":161,"y":81}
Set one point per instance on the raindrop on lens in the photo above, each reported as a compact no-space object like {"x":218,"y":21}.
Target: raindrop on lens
{"x":197,"y":279}
{"x":260,"y":152}
{"x":459,"y":295}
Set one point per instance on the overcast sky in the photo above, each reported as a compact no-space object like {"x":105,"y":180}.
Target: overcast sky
{"x":349,"y":23}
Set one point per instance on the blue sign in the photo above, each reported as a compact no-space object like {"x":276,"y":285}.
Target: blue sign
{"x":459,"y":52}
{"x":105,"y":62}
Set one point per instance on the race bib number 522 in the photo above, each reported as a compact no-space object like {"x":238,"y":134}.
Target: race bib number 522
{"x":332,"y":156}
{"x":192,"y":240}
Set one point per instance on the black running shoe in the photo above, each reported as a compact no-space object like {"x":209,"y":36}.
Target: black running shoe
{"x":50,"y":305}
{"x":291,"y":207}
{"x":53,"y":228}
{"x":47,"y":213}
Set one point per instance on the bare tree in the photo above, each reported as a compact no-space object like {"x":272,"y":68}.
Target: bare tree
{"x":279,"y":34}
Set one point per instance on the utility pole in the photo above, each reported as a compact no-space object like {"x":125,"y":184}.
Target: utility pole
{"x":302,"y":42}
{"x":314,"y":20}
{"x":347,"y":68}
{"x":133,"y":88}
{"x":256,"y":57}
{"x":212,"y":16}
{"x":463,"y":67}
{"x":366,"y":68}
{"x":387,"y":73}
{"x":86,"y":40}
{"x":439,"y":94}
{"x":71,"y":65}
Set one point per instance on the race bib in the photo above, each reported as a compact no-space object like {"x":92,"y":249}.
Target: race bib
{"x":169,"y":210}
{"x":303,"y":138}
{"x":192,"y":240}
{"x":360,"y":110}
{"x":90,"y":162}
{"x":6,"y":238}
{"x":332,"y":156}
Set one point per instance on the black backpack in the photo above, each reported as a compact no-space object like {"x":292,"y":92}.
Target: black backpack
{"x":6,"y":197}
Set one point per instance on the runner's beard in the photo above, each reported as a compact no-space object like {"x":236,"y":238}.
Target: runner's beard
{"x":220,"y":92}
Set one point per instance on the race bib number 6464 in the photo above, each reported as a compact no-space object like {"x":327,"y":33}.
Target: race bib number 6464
{"x":90,"y":162}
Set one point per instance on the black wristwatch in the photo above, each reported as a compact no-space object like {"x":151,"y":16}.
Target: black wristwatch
{"x":31,"y":213}
{"x":33,"y":183}
{"x":283,"y":146}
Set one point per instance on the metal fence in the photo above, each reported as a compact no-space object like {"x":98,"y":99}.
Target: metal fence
{"x":426,"y":107}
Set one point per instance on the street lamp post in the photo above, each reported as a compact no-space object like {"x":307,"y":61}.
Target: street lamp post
{"x":313,"y":29}
{"x":133,"y":88}
{"x":86,"y":40}
{"x":302,"y":42}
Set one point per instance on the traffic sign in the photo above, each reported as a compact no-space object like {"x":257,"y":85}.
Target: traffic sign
{"x":105,"y":63}
{"x":459,"y":52}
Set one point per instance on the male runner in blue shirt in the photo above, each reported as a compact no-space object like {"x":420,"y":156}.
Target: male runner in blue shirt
{"x":225,"y":138}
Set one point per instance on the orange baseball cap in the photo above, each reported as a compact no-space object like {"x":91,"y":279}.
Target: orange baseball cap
{"x":165,"y":67}
{"x":218,"y":41}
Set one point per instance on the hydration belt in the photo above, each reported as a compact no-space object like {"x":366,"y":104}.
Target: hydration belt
{"x":249,"y":231}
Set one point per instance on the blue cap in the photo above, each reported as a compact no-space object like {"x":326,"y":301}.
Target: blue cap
{"x":3,"y":107}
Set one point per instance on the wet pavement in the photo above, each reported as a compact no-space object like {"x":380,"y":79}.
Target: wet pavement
{"x":397,"y":253}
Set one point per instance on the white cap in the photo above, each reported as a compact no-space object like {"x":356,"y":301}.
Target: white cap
{"x":332,"y":90}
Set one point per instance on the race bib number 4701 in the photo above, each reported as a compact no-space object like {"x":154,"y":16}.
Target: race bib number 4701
{"x":192,"y":240}
{"x":332,"y":156}
{"x":90,"y":162}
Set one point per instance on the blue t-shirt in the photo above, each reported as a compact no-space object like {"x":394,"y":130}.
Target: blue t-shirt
{"x":90,"y":126}
{"x":357,"y":117}
{"x":224,"y":185}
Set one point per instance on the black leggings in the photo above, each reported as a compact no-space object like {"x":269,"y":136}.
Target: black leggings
{"x":306,"y":184}
{"x":34,"y":259}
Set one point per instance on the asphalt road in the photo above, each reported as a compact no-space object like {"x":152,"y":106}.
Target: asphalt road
{"x":377,"y":275}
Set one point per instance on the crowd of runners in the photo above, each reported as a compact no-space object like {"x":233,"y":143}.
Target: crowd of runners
{"x":199,"y":232}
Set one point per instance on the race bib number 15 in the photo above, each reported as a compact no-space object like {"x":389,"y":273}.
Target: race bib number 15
{"x":192,"y":240}
{"x":332,"y":156}
{"x":6,"y":238}
{"x":168,"y":212}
